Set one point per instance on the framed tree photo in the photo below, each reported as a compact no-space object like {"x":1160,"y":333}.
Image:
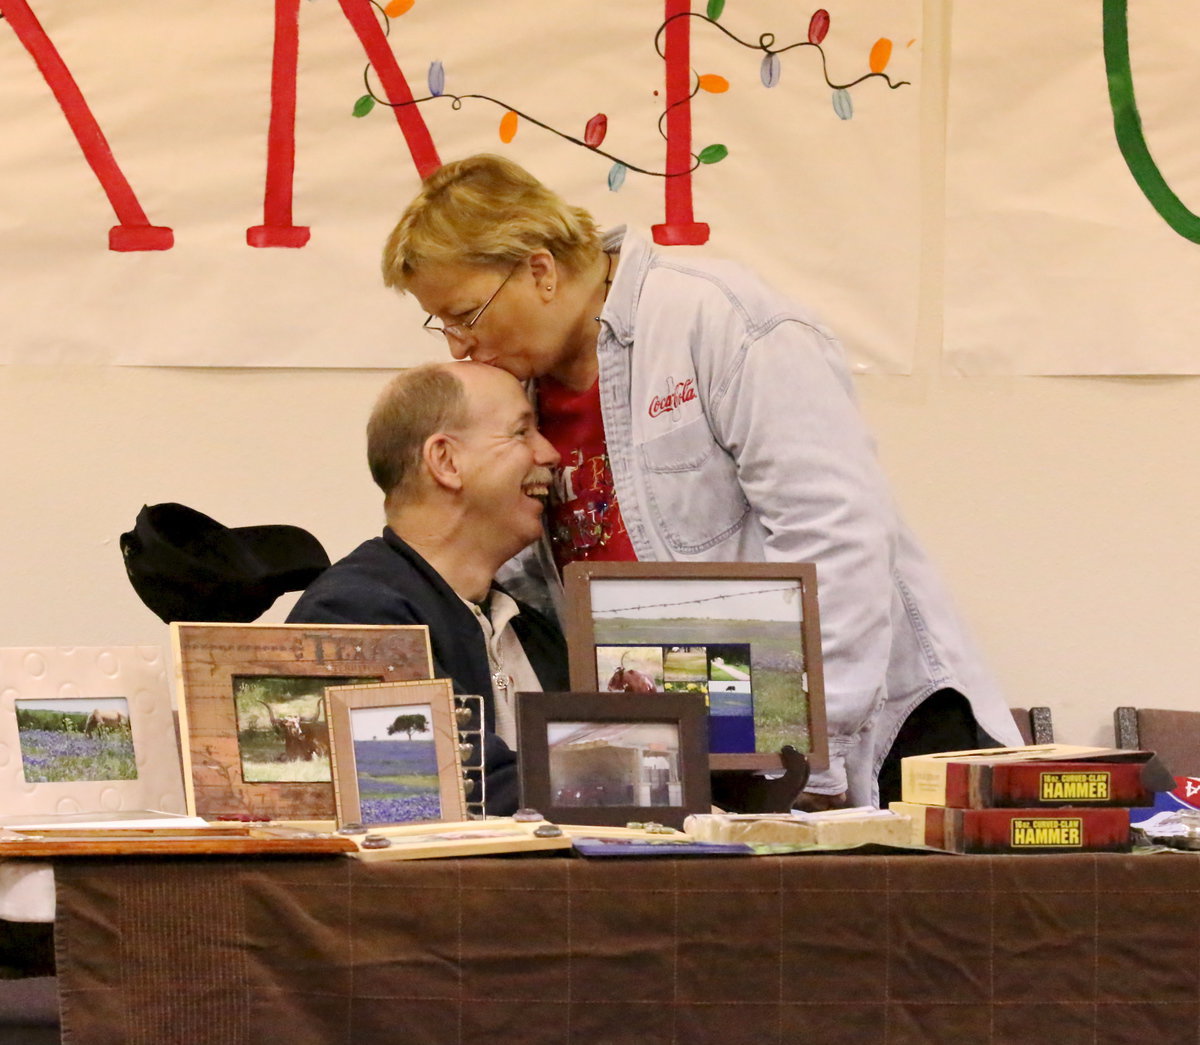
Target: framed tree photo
{"x":253,"y":727}
{"x":395,"y":752}
{"x":745,"y":638}
{"x":613,"y":758}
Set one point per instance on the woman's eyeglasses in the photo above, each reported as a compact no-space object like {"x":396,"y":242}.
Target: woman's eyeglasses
{"x":460,"y":330}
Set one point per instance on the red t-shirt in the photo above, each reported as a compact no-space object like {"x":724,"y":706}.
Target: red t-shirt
{"x":585,"y":520}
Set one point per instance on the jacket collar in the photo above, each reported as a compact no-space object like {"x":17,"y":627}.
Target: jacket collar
{"x":403,"y":548}
{"x":620,"y":308}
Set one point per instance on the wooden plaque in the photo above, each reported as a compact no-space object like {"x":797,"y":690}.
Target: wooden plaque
{"x":254,"y":744}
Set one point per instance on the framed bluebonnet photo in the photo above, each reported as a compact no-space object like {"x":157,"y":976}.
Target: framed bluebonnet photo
{"x":395,"y":753}
{"x":87,"y":730}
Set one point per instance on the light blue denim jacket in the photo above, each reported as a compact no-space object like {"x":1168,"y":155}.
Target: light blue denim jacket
{"x":734,"y":435}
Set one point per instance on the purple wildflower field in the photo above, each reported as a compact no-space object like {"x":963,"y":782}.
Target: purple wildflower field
{"x":400,"y":810}
{"x":397,"y":781}
{"x":57,"y":755}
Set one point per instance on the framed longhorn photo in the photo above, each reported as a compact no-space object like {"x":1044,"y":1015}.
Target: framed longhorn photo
{"x":253,"y":723}
{"x":743,"y":639}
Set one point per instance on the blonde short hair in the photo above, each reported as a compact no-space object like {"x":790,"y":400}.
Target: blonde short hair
{"x":414,"y":405}
{"x":486,"y":210}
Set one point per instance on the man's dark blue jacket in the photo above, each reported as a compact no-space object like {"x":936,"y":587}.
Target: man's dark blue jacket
{"x":383,"y":581}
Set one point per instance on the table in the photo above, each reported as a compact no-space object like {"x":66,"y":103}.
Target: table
{"x":827,"y":949}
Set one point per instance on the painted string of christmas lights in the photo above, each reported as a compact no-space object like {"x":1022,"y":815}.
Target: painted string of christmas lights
{"x":597,"y":127}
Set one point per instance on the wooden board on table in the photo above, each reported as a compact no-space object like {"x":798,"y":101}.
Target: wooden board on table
{"x":436,"y":839}
{"x":213,"y":841}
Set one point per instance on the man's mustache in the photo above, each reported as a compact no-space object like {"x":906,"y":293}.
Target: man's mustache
{"x":539,"y":476}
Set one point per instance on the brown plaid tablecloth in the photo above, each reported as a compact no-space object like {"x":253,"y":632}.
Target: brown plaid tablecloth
{"x":814,"y":949}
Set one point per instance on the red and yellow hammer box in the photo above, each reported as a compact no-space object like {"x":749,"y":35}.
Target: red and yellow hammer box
{"x":1104,"y":830}
{"x":1042,"y":775}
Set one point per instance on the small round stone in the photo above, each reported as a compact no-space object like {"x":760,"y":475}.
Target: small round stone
{"x":375,"y":842}
{"x":528,"y":815}
{"x":352,"y":829}
{"x":547,"y":831}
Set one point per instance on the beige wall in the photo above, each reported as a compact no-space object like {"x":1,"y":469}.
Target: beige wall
{"x":1063,"y":511}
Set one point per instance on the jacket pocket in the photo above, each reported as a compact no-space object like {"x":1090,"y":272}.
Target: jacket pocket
{"x":692,"y":488}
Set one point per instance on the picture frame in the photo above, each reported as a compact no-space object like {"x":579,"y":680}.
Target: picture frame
{"x":748,"y":635}
{"x":251,"y":709}
{"x":395,"y":752}
{"x":68,"y":752}
{"x":613,"y":758}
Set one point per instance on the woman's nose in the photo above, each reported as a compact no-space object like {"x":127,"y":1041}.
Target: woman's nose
{"x":462,"y":346}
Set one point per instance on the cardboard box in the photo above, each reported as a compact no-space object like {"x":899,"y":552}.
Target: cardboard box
{"x":835,"y":828}
{"x":1102,"y":830}
{"x":1039,"y":776}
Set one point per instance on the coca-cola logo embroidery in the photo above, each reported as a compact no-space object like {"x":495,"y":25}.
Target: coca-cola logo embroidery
{"x":683,"y":392}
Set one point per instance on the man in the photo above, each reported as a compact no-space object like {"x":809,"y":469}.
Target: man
{"x":464,"y":471}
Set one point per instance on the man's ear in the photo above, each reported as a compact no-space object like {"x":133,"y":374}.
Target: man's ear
{"x":545,"y":273}
{"x":440,"y":454}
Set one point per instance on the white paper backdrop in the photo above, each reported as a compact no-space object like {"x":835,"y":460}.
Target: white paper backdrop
{"x":1056,"y":261}
{"x":824,"y":206}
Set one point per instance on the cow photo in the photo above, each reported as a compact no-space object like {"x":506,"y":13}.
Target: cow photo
{"x":630,"y":669}
{"x":718,"y":673}
{"x":78,"y":738}
{"x":283,"y":734}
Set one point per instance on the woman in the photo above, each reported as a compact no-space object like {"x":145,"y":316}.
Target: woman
{"x":700,"y":415}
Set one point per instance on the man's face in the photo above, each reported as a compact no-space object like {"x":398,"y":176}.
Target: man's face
{"x":505,"y":460}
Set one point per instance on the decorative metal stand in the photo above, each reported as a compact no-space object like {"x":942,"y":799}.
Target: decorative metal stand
{"x":468,"y":718}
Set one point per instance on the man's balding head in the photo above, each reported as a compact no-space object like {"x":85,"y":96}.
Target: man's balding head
{"x":414,"y":405}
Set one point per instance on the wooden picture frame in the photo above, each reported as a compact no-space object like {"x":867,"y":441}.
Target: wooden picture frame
{"x":758,"y":621}
{"x":239,"y":761}
{"x":67,"y":752}
{"x":388,"y":730}
{"x":613,"y":758}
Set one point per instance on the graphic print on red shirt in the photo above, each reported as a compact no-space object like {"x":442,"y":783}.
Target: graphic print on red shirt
{"x":584,"y":518}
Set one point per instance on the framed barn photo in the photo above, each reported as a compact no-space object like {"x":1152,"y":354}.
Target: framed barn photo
{"x":395,"y":751}
{"x":253,"y":727}
{"x":613,"y":758}
{"x":87,"y":729}
{"x":743,"y":637}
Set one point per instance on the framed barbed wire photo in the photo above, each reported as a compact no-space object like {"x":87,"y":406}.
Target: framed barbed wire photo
{"x":395,"y":753}
{"x":253,"y":725}
{"x":742,"y":638}
{"x":613,"y":758}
